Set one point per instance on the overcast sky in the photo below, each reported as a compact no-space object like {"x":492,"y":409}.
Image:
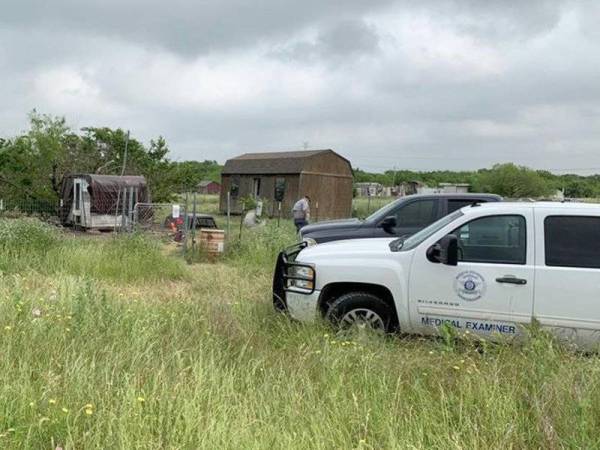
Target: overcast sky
{"x":454,"y":84}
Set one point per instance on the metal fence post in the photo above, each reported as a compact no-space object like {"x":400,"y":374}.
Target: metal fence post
{"x":130,"y":210}
{"x":228,"y":215}
{"x":193,"y":225}
{"x":242,"y":219}
{"x":278,"y":214}
{"x":136,"y":218}
{"x":185,"y":225}
{"x":123,"y":207}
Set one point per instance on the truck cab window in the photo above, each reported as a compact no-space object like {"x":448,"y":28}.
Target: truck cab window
{"x":494,"y":239}
{"x":572,"y":241}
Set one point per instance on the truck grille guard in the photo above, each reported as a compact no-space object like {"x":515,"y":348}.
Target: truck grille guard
{"x":285,"y":260}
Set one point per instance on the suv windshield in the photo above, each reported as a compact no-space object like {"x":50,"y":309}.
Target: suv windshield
{"x":383,"y":212}
{"x":411,"y":242}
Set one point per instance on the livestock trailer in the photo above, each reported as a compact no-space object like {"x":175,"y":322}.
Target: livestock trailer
{"x":101,"y":202}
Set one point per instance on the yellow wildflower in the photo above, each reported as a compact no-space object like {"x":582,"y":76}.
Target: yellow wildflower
{"x":52,"y":401}
{"x":141,"y":399}
{"x":65,"y":410}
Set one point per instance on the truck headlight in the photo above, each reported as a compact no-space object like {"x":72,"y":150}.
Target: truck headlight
{"x":304,"y":272}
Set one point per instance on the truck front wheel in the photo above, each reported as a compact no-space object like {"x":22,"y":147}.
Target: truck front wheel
{"x":360,"y":309}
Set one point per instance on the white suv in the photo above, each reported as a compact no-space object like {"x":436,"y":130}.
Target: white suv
{"x":487,"y":269}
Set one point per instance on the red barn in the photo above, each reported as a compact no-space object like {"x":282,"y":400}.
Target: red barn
{"x":209,"y":187}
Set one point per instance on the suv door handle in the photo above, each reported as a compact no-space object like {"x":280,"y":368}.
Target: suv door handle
{"x":511,"y":280}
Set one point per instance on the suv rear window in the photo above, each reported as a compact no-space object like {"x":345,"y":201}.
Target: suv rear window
{"x":572,"y":241}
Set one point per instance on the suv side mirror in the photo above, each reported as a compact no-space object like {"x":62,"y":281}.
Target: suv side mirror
{"x":388,"y":224}
{"x":445,"y":251}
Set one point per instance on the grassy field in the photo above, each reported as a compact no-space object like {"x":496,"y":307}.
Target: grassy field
{"x":113,"y":343}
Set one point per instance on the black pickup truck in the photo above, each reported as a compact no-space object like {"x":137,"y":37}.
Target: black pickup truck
{"x":404,"y":216}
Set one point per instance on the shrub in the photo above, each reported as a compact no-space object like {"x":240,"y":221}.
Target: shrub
{"x":26,"y":235}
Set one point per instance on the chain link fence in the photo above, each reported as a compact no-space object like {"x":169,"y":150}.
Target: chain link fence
{"x":155,"y":216}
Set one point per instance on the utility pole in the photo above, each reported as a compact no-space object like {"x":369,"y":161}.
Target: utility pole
{"x":122,"y":173}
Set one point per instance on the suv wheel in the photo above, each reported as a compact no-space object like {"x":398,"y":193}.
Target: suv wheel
{"x":361,"y":309}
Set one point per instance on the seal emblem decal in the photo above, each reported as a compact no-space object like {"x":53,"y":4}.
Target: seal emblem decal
{"x":469,"y":286}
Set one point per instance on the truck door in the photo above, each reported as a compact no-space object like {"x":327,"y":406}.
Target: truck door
{"x":490,"y":291}
{"x":568,"y":274}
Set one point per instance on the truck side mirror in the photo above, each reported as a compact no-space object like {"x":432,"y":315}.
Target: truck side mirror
{"x":388,"y":224}
{"x":445,"y":251}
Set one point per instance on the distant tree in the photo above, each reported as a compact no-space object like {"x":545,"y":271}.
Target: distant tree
{"x":34,"y":164}
{"x":512,"y":181}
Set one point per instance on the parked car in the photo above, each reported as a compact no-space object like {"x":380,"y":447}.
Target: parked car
{"x":404,"y":216}
{"x":202,"y":221}
{"x":485,"y":269}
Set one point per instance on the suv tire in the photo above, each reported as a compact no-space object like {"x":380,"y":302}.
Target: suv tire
{"x":361,"y":308}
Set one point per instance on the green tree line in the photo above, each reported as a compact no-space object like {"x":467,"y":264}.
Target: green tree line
{"x":508,"y":180}
{"x":34,"y":163}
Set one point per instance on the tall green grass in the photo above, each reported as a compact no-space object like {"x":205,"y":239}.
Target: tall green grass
{"x":197,"y":359}
{"x":258,"y":247}
{"x":28,"y":244}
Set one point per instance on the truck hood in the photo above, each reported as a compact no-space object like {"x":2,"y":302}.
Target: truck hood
{"x":354,"y":247}
{"x":332,"y":225}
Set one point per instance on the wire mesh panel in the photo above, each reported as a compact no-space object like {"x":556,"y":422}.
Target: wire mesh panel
{"x":157,"y":216}
{"x":29,"y":207}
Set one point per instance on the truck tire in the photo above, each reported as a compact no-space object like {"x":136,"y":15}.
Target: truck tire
{"x":361,"y":308}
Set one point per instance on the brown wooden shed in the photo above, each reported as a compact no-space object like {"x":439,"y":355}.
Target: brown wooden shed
{"x":323,"y":175}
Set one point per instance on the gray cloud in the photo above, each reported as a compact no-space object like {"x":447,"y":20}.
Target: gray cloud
{"x":342,"y":40}
{"x":450,"y":84}
{"x":183,"y":26}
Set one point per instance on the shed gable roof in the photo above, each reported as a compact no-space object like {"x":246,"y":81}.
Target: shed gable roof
{"x":272,"y":163}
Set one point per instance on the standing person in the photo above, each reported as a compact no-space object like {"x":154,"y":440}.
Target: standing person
{"x":301,"y":212}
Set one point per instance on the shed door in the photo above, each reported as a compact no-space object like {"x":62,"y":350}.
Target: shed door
{"x":256,"y":188}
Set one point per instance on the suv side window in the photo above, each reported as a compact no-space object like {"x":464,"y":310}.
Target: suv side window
{"x":572,"y":241}
{"x":419,"y":213}
{"x":494,"y":239}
